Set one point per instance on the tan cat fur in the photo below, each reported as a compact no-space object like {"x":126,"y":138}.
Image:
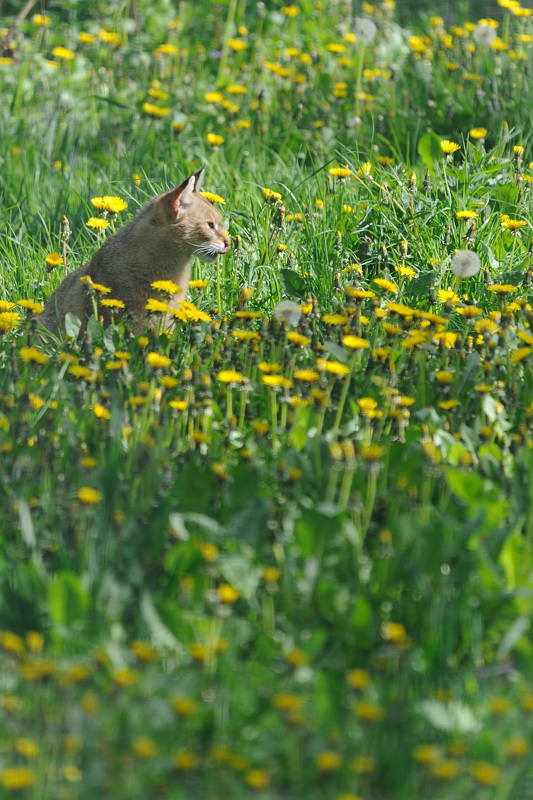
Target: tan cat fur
{"x":159,"y":243}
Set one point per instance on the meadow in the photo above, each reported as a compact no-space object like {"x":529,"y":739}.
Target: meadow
{"x":285,"y":550}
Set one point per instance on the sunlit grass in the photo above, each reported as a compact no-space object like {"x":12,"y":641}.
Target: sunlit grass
{"x":284,"y":549}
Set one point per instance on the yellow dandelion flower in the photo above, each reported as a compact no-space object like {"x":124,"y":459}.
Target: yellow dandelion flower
{"x":358,"y":679}
{"x":8,"y":320}
{"x":186,"y":761}
{"x":520,"y":354}
{"x":184,"y":706}
{"x":368,"y":711}
{"x":116,"y":204}
{"x":333,"y":367}
{"x":110,"y":302}
{"x":27,"y":747}
{"x":231,"y":376}
{"x":448,"y":148}
{"x":447,"y":405}
{"x":257,"y":779}
{"x":213,"y":198}
{"x":158,"y":361}
{"x":33,"y":354}
{"x":237,"y":45}
{"x":328,"y":761}
{"x":373,"y":452}
{"x":144,"y":748}
{"x":156,"y":305}
{"x":41,"y":20}
{"x":305,"y":375}
{"x":54,"y":260}
{"x":485,"y":773}
{"x":389,"y":286}
{"x":504,"y":288}
{"x":273,"y":380}
{"x":101,"y":411}
{"x":96,"y":223}
{"x":168,"y":287}
{"x":355,"y":342}
{"x":63,"y":53}
{"x":89,"y":496}
{"x":478,"y":133}
{"x":215,"y":139}
{"x":228,"y":594}
{"x":517,"y":747}
{"x":298,"y":339}
{"x":17,"y":777}
{"x":340,"y":172}
{"x":155,"y":111}
{"x":513,"y":225}
{"x":271,"y":196}
{"x":446,"y":770}
{"x":426,"y":753}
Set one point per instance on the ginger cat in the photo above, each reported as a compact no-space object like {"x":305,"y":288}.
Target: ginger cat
{"x":159,"y":243}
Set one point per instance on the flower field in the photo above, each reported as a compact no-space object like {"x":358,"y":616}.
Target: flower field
{"x":283,"y":550}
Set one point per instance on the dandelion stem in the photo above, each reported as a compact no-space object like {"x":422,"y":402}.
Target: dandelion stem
{"x":369,"y":501}
{"x":229,"y":404}
{"x":515,"y":237}
{"x":342,"y":399}
{"x":358,"y":81}
{"x":346,"y":487}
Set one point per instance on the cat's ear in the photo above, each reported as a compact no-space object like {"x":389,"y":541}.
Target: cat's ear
{"x":177,"y":200}
{"x":199,"y":178}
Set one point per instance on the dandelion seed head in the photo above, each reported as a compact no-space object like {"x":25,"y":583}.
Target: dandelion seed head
{"x":288,"y":312}
{"x":465,"y":263}
{"x":365,"y":30}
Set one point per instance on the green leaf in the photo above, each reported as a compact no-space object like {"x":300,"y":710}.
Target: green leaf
{"x":239,"y":571}
{"x":454,"y":716}
{"x":507,"y":197}
{"x":68,"y":601}
{"x":466,"y":485}
{"x":110,"y":101}
{"x":429,"y":149}
{"x":293,"y":284}
{"x":72,"y":325}
{"x":337,"y":351}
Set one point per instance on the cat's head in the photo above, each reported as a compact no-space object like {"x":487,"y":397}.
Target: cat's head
{"x":192,"y":220}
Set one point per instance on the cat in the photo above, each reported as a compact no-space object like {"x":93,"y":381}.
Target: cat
{"x":159,"y":243}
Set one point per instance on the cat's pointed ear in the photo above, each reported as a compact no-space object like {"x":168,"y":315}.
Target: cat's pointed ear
{"x":177,"y":200}
{"x":199,"y":178}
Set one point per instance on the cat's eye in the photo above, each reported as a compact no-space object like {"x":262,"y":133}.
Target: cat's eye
{"x":211,"y":225}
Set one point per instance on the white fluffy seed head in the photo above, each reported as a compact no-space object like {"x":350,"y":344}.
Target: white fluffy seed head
{"x":484,"y":35}
{"x":365,"y":30}
{"x":288,"y":312}
{"x":465,"y":263}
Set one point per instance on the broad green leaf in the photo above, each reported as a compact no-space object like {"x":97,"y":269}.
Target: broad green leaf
{"x":293,"y":284}
{"x":429,"y":149}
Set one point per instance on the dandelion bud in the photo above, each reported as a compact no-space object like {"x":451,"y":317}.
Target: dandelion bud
{"x":447,"y":236}
{"x":65,"y":229}
{"x":412,"y":181}
{"x":279,"y":216}
{"x":427,"y":182}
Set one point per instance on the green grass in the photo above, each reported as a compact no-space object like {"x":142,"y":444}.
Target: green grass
{"x":264,"y":556}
